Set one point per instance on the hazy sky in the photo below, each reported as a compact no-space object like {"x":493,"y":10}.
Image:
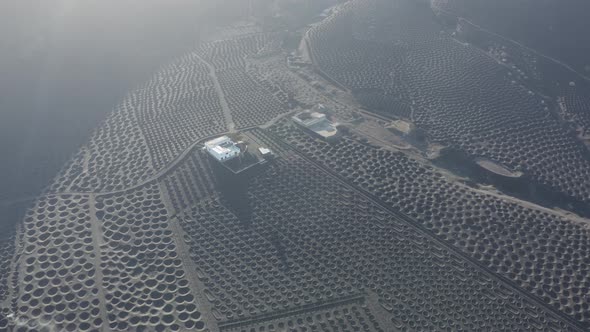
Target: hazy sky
{"x":66,"y":63}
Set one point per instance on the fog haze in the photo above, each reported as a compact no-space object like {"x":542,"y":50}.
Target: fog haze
{"x":64,"y":65}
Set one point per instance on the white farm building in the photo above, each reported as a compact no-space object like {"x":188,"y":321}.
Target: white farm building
{"x":222,"y":148}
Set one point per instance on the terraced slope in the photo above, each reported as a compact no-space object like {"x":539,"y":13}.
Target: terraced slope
{"x":397,"y":58}
{"x":544,"y":254}
{"x":137,"y":234}
{"x":553,"y":27}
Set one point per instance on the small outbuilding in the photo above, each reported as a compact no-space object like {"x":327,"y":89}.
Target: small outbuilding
{"x":316,"y":121}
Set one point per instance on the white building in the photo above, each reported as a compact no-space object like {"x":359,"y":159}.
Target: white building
{"x":222,"y":148}
{"x":309,"y":119}
{"x":316,"y":121}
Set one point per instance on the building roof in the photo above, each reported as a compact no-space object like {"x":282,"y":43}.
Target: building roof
{"x":316,"y":122}
{"x":307,"y":118}
{"x":222,"y":148}
{"x":217,"y":141}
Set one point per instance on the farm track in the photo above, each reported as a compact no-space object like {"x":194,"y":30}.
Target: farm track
{"x":220,"y":94}
{"x":158,"y":175}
